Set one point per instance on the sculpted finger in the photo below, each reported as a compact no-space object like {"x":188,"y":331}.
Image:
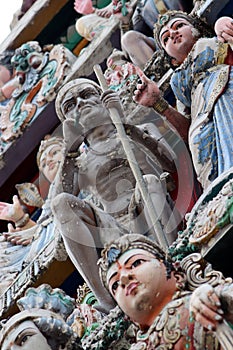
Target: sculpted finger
{"x":26,"y":242}
{"x":227,"y":37}
{"x":229,"y":26}
{"x":220,"y":38}
{"x":208,"y":324}
{"x":16,"y":200}
{"x":142,"y":76}
{"x":213,"y":300}
{"x":22,"y":241}
{"x":10,"y":228}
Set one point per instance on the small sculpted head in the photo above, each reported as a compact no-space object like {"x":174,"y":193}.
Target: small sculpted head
{"x":50,"y":156}
{"x":176,"y":32}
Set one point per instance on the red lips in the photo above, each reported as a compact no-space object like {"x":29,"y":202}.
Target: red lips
{"x":130,"y":288}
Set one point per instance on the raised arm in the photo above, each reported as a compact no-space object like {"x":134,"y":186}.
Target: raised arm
{"x":148,"y":94}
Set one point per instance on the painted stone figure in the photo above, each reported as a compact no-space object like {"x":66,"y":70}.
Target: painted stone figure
{"x":40,"y":75}
{"x":137,"y":21}
{"x":20,"y":245}
{"x":157,"y":297}
{"x":41,"y":322}
{"x":202,"y":86}
{"x":104,"y":171}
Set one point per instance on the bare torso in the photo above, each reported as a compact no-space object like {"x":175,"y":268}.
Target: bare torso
{"x":104,"y":171}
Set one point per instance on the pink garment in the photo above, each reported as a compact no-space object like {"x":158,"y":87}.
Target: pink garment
{"x":84,"y":7}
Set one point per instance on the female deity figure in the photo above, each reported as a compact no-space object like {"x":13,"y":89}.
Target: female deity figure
{"x":27,"y":238}
{"x":202,"y":84}
{"x":156,"y":296}
{"x":41,"y":323}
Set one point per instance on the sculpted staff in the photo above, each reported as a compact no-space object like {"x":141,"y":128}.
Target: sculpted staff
{"x":103,"y":171}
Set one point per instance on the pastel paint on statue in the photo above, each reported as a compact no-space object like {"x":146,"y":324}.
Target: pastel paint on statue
{"x":159,"y":297}
{"x":20,"y":247}
{"x":177,"y":38}
{"x":49,"y":161}
{"x":41,"y":322}
{"x":139,"y":284}
{"x":25,"y":336}
{"x":210,"y":101}
{"x":90,"y":25}
{"x":202,"y":85}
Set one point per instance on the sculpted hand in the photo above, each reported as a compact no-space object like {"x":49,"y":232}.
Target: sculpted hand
{"x":11,"y":212}
{"x":18,"y":236}
{"x":111,"y":99}
{"x":72,"y":135}
{"x":206,"y":307}
{"x":224,"y":29}
{"x":147,"y":92}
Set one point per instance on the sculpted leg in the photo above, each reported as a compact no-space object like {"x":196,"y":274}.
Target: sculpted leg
{"x":147,"y":47}
{"x":76,"y":221}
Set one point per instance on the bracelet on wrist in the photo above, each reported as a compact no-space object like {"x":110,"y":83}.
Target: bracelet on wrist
{"x":125,"y":27}
{"x":73,"y":154}
{"x":161,"y":105}
{"x":23,"y":221}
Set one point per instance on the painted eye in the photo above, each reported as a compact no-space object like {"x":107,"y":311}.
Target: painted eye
{"x":165,"y":40}
{"x":25,"y":52}
{"x":69,"y":106}
{"x":24,"y":339}
{"x":179,"y":25}
{"x":137,"y":263}
{"x":115,"y":286}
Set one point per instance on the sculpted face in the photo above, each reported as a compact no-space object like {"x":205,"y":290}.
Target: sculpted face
{"x":50,"y":160}
{"x":177,"y":38}
{"x":83,"y":103}
{"x":138,"y":283}
{"x":25,"y":336}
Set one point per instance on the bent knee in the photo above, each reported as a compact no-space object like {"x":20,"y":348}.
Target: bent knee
{"x":65,"y":205}
{"x":128,"y":39}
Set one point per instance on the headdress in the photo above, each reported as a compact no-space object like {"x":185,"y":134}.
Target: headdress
{"x":48,"y":141}
{"x":48,"y":308}
{"x":198,"y":23}
{"x":85,"y":295}
{"x":115,"y":249}
{"x":70,"y":85}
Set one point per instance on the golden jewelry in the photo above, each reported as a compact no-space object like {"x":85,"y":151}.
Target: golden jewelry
{"x":161,"y":105}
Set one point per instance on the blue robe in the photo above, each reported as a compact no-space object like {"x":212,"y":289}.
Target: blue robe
{"x":204,"y":85}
